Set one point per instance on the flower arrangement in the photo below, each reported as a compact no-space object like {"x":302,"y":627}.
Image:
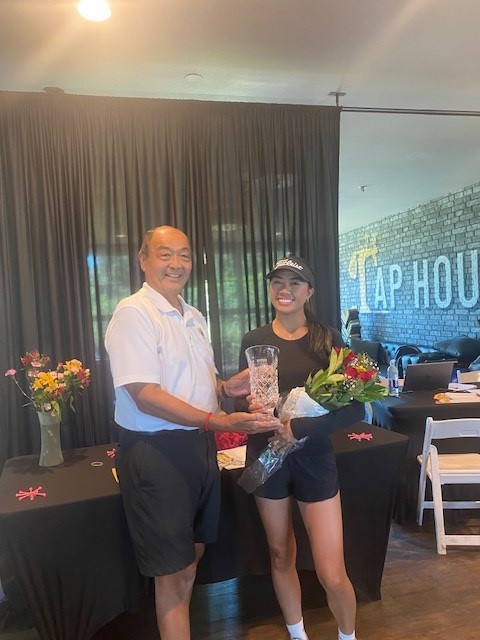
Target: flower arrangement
{"x":349,"y":376}
{"x":49,"y":391}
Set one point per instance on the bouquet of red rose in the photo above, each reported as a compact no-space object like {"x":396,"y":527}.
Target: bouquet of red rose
{"x":349,"y":376}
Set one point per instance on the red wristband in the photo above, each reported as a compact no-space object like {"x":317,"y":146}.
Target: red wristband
{"x":206,"y":421}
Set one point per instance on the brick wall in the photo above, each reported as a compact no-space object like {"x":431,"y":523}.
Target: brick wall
{"x":414,"y":276}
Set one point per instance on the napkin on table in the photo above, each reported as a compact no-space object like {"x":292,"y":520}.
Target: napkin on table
{"x":232,"y":458}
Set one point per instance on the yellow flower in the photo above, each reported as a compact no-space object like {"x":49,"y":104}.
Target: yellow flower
{"x":73,"y":366}
{"x":45,"y":380}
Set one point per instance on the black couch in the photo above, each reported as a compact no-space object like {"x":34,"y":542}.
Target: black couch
{"x":463,"y":350}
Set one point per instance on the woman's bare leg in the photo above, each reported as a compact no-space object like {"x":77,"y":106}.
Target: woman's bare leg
{"x":276,"y":516}
{"x":323,"y":522}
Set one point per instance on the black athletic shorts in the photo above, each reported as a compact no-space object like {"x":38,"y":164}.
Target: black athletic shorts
{"x":170,"y":485}
{"x":308,"y":478}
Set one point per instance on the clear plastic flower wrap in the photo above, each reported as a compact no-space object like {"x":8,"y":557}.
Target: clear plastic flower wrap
{"x":298,"y":404}
{"x":292,"y":404}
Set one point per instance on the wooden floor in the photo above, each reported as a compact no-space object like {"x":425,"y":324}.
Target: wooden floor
{"x":424,"y":597}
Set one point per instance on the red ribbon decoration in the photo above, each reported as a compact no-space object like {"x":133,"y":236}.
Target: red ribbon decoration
{"x":360,"y":436}
{"x":31,"y":493}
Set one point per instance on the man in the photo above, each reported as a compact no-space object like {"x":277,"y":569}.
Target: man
{"x":167,"y":397}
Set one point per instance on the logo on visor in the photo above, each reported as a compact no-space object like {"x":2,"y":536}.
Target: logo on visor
{"x":286,"y":262}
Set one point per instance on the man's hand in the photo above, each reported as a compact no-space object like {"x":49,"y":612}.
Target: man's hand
{"x":238,"y":386}
{"x":244,"y":422}
{"x":254,"y":405}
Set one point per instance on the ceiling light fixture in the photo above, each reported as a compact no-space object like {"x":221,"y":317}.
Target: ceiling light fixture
{"x":193,"y":77}
{"x":338,"y":94}
{"x":95,"y":10}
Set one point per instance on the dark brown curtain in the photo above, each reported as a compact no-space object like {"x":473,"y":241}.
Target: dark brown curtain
{"x":81,"y":180}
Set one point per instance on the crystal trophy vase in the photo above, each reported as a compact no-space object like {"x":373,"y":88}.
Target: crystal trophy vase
{"x":262,"y":363}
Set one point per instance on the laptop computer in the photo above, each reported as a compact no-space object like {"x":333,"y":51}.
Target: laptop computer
{"x":428,"y":376}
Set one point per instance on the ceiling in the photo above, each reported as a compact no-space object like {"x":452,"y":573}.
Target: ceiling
{"x":407,"y":54}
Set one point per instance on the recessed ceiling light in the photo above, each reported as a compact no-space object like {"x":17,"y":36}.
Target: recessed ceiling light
{"x":96,"y":10}
{"x":193,"y":77}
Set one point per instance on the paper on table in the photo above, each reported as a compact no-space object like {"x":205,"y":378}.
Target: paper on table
{"x":462,"y":386}
{"x":462,"y":397}
{"x":232,"y":458}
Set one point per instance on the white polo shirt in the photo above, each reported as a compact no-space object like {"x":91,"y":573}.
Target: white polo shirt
{"x":148,"y":340}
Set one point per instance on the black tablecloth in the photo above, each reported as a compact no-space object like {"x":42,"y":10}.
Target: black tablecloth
{"x":67,"y":556}
{"x":368,"y":472}
{"x":407,"y":415}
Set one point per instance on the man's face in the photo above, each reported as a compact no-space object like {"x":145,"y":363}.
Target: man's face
{"x":168,"y":264}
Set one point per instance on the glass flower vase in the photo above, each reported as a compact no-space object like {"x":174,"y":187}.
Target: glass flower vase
{"x":51,"y":450}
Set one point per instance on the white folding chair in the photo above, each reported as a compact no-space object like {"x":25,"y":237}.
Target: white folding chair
{"x":448,"y":468}
{"x":468,"y":376}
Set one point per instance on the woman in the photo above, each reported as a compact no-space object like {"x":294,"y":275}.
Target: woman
{"x":309,"y":475}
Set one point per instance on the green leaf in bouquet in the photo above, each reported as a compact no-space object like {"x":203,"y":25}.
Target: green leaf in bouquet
{"x":335,"y":377}
{"x":315,"y":383}
{"x":375,"y":393}
{"x":336,"y":359}
{"x":335,"y":402}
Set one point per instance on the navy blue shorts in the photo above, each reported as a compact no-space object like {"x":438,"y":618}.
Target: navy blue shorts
{"x":307,"y":478}
{"x":170,"y":485}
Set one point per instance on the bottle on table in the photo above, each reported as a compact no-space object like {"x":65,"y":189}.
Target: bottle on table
{"x":392,"y":377}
